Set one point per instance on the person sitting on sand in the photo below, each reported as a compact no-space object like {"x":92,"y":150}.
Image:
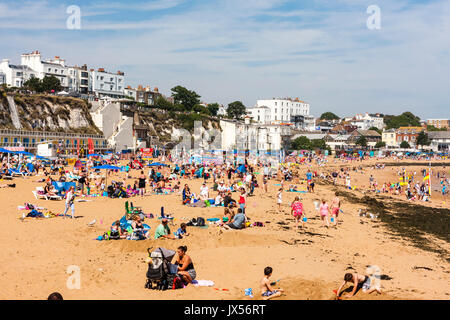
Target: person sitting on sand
{"x":117,"y":232}
{"x":49,"y":189}
{"x":267,"y":292}
{"x":229,"y":214}
{"x":359,"y":282}
{"x":185,"y":265}
{"x":238,"y":221}
{"x":163,"y":230}
{"x":182,"y":231}
{"x":138,"y":227}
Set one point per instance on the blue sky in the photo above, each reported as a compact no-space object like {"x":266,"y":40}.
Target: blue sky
{"x":320,"y":51}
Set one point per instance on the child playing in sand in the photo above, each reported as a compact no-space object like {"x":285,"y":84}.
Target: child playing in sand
{"x":359,"y":282}
{"x":267,"y":291}
{"x":324,"y":210}
{"x":297,"y":211}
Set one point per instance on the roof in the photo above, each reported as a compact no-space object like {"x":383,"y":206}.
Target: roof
{"x":21,"y":67}
{"x":371,"y":133}
{"x":310,"y":136}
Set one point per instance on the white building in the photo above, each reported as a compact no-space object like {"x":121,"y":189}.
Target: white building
{"x":78,"y":79}
{"x":15,"y":75}
{"x":251,"y":136}
{"x":279,"y":110}
{"x":56,"y":67}
{"x":367,"y":121}
{"x":116,"y":127}
{"x":260,"y":114}
{"x":2,"y":78}
{"x":107,"y":84}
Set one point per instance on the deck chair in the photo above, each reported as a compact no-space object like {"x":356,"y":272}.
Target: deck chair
{"x":16,"y":173}
{"x":130,"y":212}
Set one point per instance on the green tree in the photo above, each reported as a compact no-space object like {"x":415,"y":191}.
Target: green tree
{"x":33,"y":84}
{"x":213,"y":108}
{"x":301,"y":143}
{"x":318,"y":144}
{"x":236,"y":110}
{"x":422,"y":139}
{"x":406,"y":119}
{"x":380,"y":144}
{"x":329,"y":116}
{"x":51,"y":83}
{"x":405,"y":145}
{"x":361,"y":141}
{"x":201,"y":109}
{"x":187,"y":98}
{"x":163,"y":103}
{"x":433,"y":128}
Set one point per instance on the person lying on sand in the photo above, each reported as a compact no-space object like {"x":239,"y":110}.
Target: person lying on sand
{"x":359,"y":282}
{"x":267,"y":292}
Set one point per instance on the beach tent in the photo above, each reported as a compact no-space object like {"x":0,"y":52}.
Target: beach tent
{"x":63,"y":186}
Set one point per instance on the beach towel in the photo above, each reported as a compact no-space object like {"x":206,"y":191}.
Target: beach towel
{"x":203,"y":283}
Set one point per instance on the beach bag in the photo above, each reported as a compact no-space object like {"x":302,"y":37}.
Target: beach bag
{"x":199,"y":222}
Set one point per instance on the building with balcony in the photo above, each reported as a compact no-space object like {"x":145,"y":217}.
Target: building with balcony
{"x":69,"y":143}
{"x":276,"y":111}
{"x":107,"y":84}
{"x":52,"y":67}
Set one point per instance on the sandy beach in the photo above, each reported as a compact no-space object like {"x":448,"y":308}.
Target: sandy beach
{"x":408,"y":241}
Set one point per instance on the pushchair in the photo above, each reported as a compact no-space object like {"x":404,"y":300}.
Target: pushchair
{"x":161,"y":274}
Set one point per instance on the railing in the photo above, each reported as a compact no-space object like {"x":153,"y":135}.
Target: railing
{"x":48,"y":134}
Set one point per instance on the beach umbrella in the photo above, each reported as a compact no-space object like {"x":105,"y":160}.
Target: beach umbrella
{"x":157,"y":164}
{"x":94,"y":155}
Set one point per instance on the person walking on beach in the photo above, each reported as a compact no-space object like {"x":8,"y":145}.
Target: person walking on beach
{"x":335,"y":208}
{"x":70,"y":198}
{"x":324,"y":210}
{"x":243,"y":200}
{"x":142,"y":184}
{"x":279,"y":199}
{"x":297,"y":211}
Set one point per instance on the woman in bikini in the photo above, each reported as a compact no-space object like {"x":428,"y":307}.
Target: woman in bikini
{"x":185,"y":266}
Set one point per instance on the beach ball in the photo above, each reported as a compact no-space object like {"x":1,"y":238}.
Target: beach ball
{"x":305,"y":219}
